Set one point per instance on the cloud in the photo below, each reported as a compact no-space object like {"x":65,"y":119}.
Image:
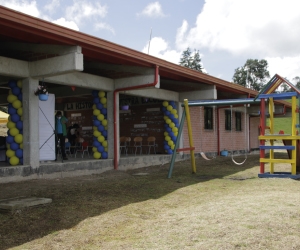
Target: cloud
{"x":245,"y":27}
{"x":82,"y":10}
{"x":104,"y":26}
{"x":27,"y":7}
{"x":69,"y":24}
{"x":152,"y":10}
{"x":284,"y":66}
{"x":52,"y":6}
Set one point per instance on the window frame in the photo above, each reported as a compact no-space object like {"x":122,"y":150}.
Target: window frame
{"x":208,"y":116}
{"x":228,"y":120}
{"x":238,"y":121}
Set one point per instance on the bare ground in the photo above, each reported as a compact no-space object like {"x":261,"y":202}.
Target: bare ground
{"x":223,"y":206}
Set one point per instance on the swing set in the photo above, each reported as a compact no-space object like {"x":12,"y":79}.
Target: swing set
{"x":186,"y":115}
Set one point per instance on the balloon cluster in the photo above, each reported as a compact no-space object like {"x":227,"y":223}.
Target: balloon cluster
{"x":14,"y":139}
{"x":100,"y":125}
{"x":171,"y":126}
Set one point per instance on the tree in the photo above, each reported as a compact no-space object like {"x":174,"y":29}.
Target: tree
{"x":297,"y":81}
{"x":191,"y":60}
{"x":254,"y":74}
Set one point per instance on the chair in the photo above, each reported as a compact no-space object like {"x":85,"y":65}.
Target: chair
{"x":82,"y":149}
{"x":151,"y":143}
{"x":68,"y":148}
{"x":123,"y":144}
{"x":138,"y":143}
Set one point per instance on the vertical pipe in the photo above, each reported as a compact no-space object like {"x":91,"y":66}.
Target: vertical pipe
{"x":189,"y":125}
{"x":271,"y":119}
{"x":262,"y":132}
{"x":294,"y":141}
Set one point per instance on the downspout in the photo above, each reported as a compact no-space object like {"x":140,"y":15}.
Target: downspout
{"x":218,"y":132}
{"x":116,"y":162}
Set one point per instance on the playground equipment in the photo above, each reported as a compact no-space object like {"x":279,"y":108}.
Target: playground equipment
{"x":267,"y":93}
{"x":186,"y":115}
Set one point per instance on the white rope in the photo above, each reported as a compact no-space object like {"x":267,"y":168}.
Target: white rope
{"x":235,"y":162}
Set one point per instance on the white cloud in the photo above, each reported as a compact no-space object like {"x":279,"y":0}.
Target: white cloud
{"x":82,"y":10}
{"x":52,"y":6}
{"x":284,"y":66}
{"x":257,"y":29}
{"x":69,"y":24}
{"x":27,"y":7}
{"x":152,"y":10}
{"x":160,"y":48}
{"x":104,"y":26}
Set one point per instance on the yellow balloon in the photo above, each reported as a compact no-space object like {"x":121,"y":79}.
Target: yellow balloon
{"x":100,"y":117}
{"x":175,"y":116}
{"x":105,"y":105}
{"x":21,"y":145}
{"x":105,"y":127}
{"x":94,"y":106}
{"x":97,"y":155}
{"x":165,"y":104}
{"x":167,"y":138}
{"x":14,"y":161}
{"x":105,"y":149}
{"x":7,"y":145}
{"x":95,"y":128}
{"x":175,"y":133}
{"x":104,"y":144}
{"x":166,"y":117}
{"x":11,"y":124}
{"x":168,"y":121}
{"x":166,"y":133}
{"x":17,"y":104}
{"x":10,"y":153}
{"x":104,"y":122}
{"x":172,"y":146}
{"x":18,"y":138}
{"x":103,"y":100}
{"x":96,"y":112}
{"x":170,"y":143}
{"x":94,"y":149}
{"x":12,"y":98}
{"x":101,"y":94}
{"x":169,"y":107}
{"x":20,"y":111}
{"x":174,"y":111}
{"x":14,"y":131}
{"x":171,"y":125}
{"x":101,"y":138}
{"x":174,"y":129}
{"x":19,"y":83}
{"x":96,"y":133}
{"x":10,"y":92}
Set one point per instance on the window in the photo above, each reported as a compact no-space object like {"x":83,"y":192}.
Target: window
{"x":227,"y":120}
{"x":208,"y":118}
{"x":238,"y":121}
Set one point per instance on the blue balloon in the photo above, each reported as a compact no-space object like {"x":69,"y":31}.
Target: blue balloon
{"x":163,"y":109}
{"x":173,"y":138}
{"x":166,"y":147}
{"x":165,"y":143}
{"x":14,"y":146}
{"x":172,"y":103}
{"x":95,"y":93}
{"x":166,"y":125}
{"x":174,"y":120}
{"x":171,"y":116}
{"x":12,"y":110}
{"x":104,"y":133}
{"x":19,"y":125}
{"x":101,"y":128}
{"x":171,"y":133}
{"x":20,"y":96}
{"x":96,"y":143}
{"x":104,"y":155}
{"x":16,"y":90}
{"x":169,"y":130}
{"x":10,"y":139}
{"x":12,"y":84}
{"x":97,"y":123}
{"x":21,"y":161}
{"x":15,"y":118}
{"x":170,"y":151}
{"x":100,"y":148}
{"x":177,"y":125}
{"x":19,"y":153}
{"x":167,"y":113}
{"x":104,"y":111}
{"x":99,"y":105}
{"x":96,"y":100}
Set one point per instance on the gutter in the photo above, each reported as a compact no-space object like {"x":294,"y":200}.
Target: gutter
{"x":116,"y":162}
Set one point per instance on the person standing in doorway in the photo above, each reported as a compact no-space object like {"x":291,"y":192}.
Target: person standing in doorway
{"x":61,"y":133}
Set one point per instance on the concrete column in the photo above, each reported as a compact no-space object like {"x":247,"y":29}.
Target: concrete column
{"x":110,"y":124}
{"x":31,"y":154}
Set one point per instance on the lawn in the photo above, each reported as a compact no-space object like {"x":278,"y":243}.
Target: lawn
{"x":223,"y":206}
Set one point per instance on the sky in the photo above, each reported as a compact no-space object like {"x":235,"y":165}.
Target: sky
{"x":225,"y":32}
